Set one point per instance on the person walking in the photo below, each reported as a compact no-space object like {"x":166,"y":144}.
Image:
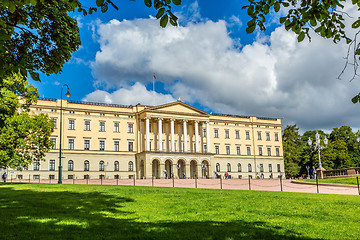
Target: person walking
{"x":4,"y":176}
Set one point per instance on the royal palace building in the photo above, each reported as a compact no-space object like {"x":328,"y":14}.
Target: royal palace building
{"x":170,"y":140}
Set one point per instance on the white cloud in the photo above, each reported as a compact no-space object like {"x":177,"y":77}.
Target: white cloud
{"x":275,"y":76}
{"x":129,"y":96}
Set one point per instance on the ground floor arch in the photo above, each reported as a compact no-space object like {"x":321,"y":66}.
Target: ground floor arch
{"x":193,"y":169}
{"x":181,"y":168}
{"x":142,"y":169}
{"x":168,"y":168}
{"x":156,"y":168}
{"x":205,"y":169}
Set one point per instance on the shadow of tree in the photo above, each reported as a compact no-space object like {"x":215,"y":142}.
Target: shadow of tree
{"x":28,"y":214}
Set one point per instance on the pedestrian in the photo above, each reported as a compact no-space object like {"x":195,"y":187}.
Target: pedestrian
{"x":257,"y":176}
{"x":4,"y":176}
{"x":262,"y":175}
{"x":227,"y":175}
{"x":313,"y":172}
{"x":184,"y":176}
{"x":271,"y":175}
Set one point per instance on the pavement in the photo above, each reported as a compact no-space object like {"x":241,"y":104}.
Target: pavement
{"x":285,"y":185}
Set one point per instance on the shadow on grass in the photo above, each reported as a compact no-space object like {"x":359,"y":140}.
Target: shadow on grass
{"x":28,"y":214}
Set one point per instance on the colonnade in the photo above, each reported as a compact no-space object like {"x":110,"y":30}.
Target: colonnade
{"x":185,"y":136}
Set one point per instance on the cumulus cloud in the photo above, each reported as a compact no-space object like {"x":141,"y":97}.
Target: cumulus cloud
{"x":129,"y":96}
{"x":274,"y":76}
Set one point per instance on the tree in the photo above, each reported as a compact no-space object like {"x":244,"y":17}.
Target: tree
{"x":292,"y":147}
{"x":23,"y":137}
{"x":325,"y":18}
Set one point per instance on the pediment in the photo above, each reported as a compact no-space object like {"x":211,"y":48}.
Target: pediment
{"x":178,"y":107}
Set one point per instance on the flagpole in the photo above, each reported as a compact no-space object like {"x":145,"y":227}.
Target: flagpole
{"x":154,"y":88}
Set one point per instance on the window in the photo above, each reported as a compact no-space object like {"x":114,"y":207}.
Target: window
{"x":70,"y":176}
{"x":276,"y":136}
{"x":227,"y":134}
{"x":237,"y":134}
{"x":204,"y":132}
{"x":217,"y":149}
{"x":260,"y":151}
{"x":229,"y":167}
{"x":116,"y":166}
{"x":71,"y":124}
{"x":51,"y":176}
{"x":52,"y":165}
{"x":130,"y":146}
{"x":130,"y":127}
{"x":228,"y":149}
{"x":116,"y":127}
{"x":71,"y":144}
{"x":259,"y":135}
{"x":277,"y":151}
{"x":247,"y":133}
{"x":218,"y":167}
{"x":55,"y":122}
{"x":86,"y":165}
{"x":101,"y":126}
{"x":267,"y":136}
{"x":101,"y":166}
{"x":36,"y":176}
{"x":86,"y":176}
{"x":53,"y":141}
{"x":70,"y":165}
{"x":238,"y":152}
{"x":131,"y":166}
{"x":86,"y":144}
{"x":36,"y":165}
{"x":116,"y":146}
{"x":205,"y":148}
{"x":248,"y":150}
{"x":239,"y":167}
{"x":270,"y":167}
{"x":102,"y":145}
{"x":249,"y":168}
{"x":261,"y":167}
{"x":216,"y":133}
{"x":269,"y":151}
{"x":278,"y":167}
{"x":87,"y":125}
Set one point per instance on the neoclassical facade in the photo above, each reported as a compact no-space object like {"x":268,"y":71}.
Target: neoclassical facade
{"x":175,"y":139}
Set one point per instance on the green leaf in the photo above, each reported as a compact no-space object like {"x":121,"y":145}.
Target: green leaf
{"x":168,"y":1}
{"x":33,"y":2}
{"x":99,"y":3}
{"x":250,"y":10}
{"x":250,"y":29}
{"x":355,"y":99}
{"x":164,"y":21}
{"x":148,"y":3}
{"x":356,"y":24}
{"x":301,"y":37}
{"x":176,"y":2}
{"x":35,"y":76}
{"x":11,"y":7}
{"x":282,"y":20}
{"x":173,"y":22}
{"x":313,"y":22}
{"x":160,"y":13}
{"x":277,"y":6}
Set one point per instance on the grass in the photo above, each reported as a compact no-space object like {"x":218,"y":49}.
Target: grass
{"x":45,"y":211}
{"x":344,"y":181}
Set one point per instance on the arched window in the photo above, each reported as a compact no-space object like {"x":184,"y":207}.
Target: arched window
{"x":239,"y":167}
{"x":70,"y":165}
{"x":86,"y":165}
{"x":131,"y":166}
{"x":218,"y":167}
{"x":101,"y":166}
{"x":249,"y":168}
{"x":229,"y":167}
{"x":116,"y":166}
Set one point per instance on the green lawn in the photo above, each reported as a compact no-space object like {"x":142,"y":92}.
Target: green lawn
{"x":346,"y":181}
{"x":45,"y":211}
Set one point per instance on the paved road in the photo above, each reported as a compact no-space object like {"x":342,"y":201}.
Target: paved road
{"x":238,"y":184}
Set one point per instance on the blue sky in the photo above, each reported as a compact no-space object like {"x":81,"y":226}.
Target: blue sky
{"x":209,"y":62}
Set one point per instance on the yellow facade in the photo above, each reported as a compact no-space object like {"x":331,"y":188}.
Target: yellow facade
{"x":114,"y":141}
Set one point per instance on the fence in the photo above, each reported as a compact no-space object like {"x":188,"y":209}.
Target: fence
{"x":235,"y":184}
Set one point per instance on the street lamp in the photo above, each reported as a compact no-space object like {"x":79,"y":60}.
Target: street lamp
{"x":67,"y":94}
{"x":318,"y":146}
{"x":204,"y":168}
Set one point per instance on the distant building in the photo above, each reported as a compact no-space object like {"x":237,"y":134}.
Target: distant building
{"x":113,"y":141}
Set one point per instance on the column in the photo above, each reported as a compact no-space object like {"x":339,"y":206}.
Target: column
{"x":160,"y":134}
{"x":147,"y":121}
{"x":142,"y":139}
{"x":172,"y":130}
{"x":196,"y":136}
{"x":208,"y":138}
{"x":185,"y":137}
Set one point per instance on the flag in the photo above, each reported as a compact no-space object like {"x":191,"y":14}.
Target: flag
{"x":154,"y":75}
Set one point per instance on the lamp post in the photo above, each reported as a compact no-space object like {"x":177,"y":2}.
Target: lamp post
{"x":318,"y":146}
{"x":60,"y":156}
{"x":204,"y":169}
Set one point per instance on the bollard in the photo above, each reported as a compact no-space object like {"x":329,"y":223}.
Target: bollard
{"x":39,"y":178}
{"x":220,"y":182}
{"x":317,"y":184}
{"x":357,"y":179}
{"x":173,"y":181}
{"x":11,"y":178}
{"x":29,"y":178}
{"x":87,"y":181}
{"x":134,"y":179}
{"x":73,"y":180}
{"x":249,"y":183}
{"x":281,"y":187}
{"x":101,"y":180}
{"x":49,"y":180}
{"x":195,"y":182}
{"x":117,"y":181}
{"x":152,"y":181}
